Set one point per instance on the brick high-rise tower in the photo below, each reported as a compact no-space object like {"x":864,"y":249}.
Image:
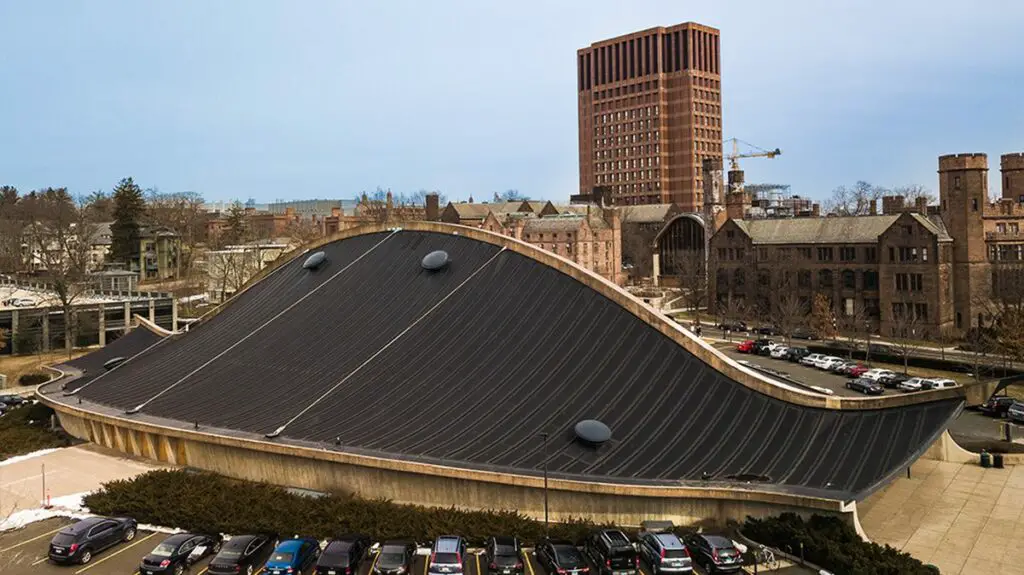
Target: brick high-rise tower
{"x":650,"y":112}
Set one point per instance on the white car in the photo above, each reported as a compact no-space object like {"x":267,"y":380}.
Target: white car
{"x":811,"y":359}
{"x":779,"y":352}
{"x":876,"y":374}
{"x":912,"y":384}
{"x":938,"y":383}
{"x":828,"y":361}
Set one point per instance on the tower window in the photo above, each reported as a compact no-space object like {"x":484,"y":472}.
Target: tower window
{"x":956,"y":182}
{"x":974,"y":204}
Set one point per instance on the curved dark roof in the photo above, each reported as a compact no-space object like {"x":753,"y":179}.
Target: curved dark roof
{"x":467,"y":365}
{"x":90,"y":366}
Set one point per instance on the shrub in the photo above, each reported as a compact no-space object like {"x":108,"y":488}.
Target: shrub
{"x":33,"y":379}
{"x":208,"y":502}
{"x":831,"y":543}
{"x":18,"y":437}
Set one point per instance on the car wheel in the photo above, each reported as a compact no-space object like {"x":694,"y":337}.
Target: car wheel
{"x":248,"y":570}
{"x":216,"y":548}
{"x":130,"y":534}
{"x":178,"y":570}
{"x":86,"y":557}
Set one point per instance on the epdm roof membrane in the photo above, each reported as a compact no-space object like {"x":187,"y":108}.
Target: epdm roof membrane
{"x":469,"y":364}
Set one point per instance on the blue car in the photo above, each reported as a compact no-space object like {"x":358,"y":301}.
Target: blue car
{"x":293,"y":557}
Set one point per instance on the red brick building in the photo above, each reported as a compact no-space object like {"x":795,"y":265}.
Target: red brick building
{"x":650,"y":112}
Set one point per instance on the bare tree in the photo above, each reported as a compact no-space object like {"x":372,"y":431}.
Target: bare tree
{"x":183,"y":214}
{"x":855,"y":326}
{"x":732,"y":310}
{"x":303,"y":232}
{"x":229,"y":269}
{"x":908,"y":329}
{"x":12,"y":226}
{"x":692,"y":269}
{"x":637,"y":246}
{"x":855,"y":200}
{"x":60,"y":239}
{"x":911,"y":192}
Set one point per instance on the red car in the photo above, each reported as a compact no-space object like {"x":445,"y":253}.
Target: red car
{"x":857,"y":371}
{"x":746,"y":347}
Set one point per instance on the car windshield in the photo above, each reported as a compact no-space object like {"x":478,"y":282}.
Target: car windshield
{"x":504,"y":550}
{"x":567,"y":556}
{"x":229,"y":554}
{"x":675,"y":553}
{"x":728,"y":552}
{"x":391,"y":558}
{"x":282,"y":557}
{"x":164,"y":550}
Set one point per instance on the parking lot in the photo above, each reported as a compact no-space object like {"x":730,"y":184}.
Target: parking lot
{"x":799,"y":372}
{"x":23,"y":551}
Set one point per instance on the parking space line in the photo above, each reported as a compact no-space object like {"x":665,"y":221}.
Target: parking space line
{"x":205,"y":569}
{"x":526,"y":559}
{"x":477,"y":555}
{"x":15,"y":546}
{"x":426,"y":565}
{"x":40,"y":561}
{"x":115,"y":554}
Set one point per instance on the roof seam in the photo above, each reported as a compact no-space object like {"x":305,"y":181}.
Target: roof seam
{"x":258,"y":329}
{"x":376,"y":354}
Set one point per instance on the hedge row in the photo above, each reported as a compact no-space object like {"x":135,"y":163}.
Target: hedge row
{"x":206,"y":502}
{"x":834,"y":545}
{"x":18,"y":436}
{"x":33,"y":379}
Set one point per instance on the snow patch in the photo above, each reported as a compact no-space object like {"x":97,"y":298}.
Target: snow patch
{"x":69,"y":506}
{"x":33,"y":455}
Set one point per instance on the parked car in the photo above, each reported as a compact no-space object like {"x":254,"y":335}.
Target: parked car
{"x":912,"y":384}
{"x":826,"y":363}
{"x":876,"y":374}
{"x":611,"y":553}
{"x":797,"y":353}
{"x":892,"y":381}
{"x":11,"y":400}
{"x":77,"y":543}
{"x":811,"y":359}
{"x":395,"y":558}
{"x":561,"y":557}
{"x":716,"y":554}
{"x":179,"y":552}
{"x":768,"y":330}
{"x":865,"y":386}
{"x":293,"y":557}
{"x":665,"y":553}
{"x":997,"y":406}
{"x":448,"y":555}
{"x":243,"y":554}
{"x":746,"y":346}
{"x":938,"y":383}
{"x":856,"y":370}
{"x":343,"y":555}
{"x":780,"y":352}
{"x":504,"y":556}
{"x":1016,"y":412}
{"x":880,"y":348}
{"x":763,"y":344}
{"x":732,"y":326}
{"x":843,"y":367}
{"x":802,"y":333}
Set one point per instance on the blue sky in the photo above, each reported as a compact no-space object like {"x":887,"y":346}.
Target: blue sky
{"x":239,"y":99}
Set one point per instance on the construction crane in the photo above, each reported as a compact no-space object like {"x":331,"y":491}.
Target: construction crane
{"x":736,"y":155}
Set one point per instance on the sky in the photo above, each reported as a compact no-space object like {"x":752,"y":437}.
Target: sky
{"x":290,"y":100}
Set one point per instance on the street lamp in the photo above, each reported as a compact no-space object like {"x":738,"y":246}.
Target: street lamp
{"x":544,"y":436}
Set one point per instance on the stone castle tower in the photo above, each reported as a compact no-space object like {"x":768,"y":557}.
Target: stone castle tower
{"x":963,"y":197}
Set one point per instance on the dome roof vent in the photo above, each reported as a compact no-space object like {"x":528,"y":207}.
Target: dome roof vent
{"x":314,"y":261}
{"x":435,"y":260}
{"x":592,"y":432}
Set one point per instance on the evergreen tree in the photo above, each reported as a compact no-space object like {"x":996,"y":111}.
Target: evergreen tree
{"x":129,"y":207}
{"x":236,"y":226}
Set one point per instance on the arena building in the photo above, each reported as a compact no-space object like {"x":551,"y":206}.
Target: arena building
{"x":465,"y":385}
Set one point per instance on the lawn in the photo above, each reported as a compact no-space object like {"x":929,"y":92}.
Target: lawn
{"x":14,"y":366}
{"x":18,"y":436}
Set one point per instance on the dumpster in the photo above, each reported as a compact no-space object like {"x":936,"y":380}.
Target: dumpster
{"x":997,"y":460}
{"x":986,"y":459}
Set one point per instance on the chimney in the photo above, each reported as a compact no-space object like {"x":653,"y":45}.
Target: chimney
{"x":815,"y":210}
{"x":921,"y":203}
{"x":433,"y":207}
{"x":873,"y":208}
{"x":335,"y":212}
{"x":736,"y":204}
{"x":892,"y":205}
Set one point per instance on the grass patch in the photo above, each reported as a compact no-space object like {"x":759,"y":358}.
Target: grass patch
{"x":208,"y":502}
{"x":14,"y":366}
{"x":18,"y":436}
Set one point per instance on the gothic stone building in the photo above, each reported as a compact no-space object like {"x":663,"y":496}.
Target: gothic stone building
{"x":933,"y":268}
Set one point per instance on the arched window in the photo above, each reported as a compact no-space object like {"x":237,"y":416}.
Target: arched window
{"x":849,"y":279}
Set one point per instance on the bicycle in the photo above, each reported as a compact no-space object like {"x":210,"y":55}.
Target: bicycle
{"x":765,"y":556}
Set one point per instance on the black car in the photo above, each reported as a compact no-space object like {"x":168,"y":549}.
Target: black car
{"x":892,"y":381}
{"x":997,"y":406}
{"x":802,"y":333}
{"x":612,"y":553}
{"x":343,"y":555}
{"x":79,"y":542}
{"x":503,"y":556}
{"x":178,"y":552}
{"x":732,"y":326}
{"x":561,"y":557}
{"x":716,"y":554}
{"x":243,"y":554}
{"x":13,"y":400}
{"x":795,"y":354}
{"x":394,"y":558}
{"x":865,"y":386}
{"x":767,"y":330}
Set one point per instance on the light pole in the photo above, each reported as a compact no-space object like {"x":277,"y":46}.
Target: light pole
{"x":544,"y":436}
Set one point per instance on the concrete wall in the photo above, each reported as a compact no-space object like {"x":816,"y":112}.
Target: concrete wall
{"x":431,"y":485}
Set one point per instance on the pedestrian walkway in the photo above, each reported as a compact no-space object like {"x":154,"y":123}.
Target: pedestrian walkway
{"x":965,"y":519}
